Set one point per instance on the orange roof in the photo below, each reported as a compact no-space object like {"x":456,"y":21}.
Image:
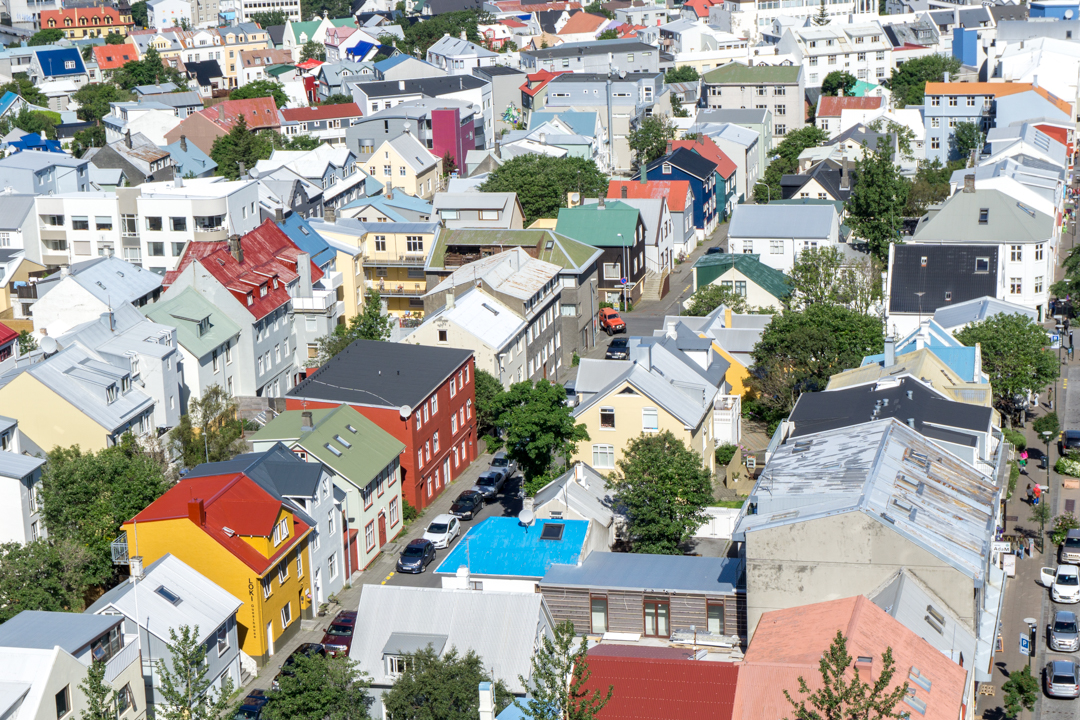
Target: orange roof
{"x":1060,"y":104}
{"x":322,"y":112}
{"x":661,"y":689}
{"x":1059,"y":134}
{"x":706,"y":148}
{"x":538,"y":81}
{"x":830,"y":106}
{"x":582,"y":22}
{"x":976,"y":88}
{"x":259,"y":113}
{"x":111,"y":57}
{"x":700,"y":7}
{"x":81,"y":17}
{"x":674,"y":191}
{"x":788,"y":644}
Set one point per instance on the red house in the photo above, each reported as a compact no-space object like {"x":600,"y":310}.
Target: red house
{"x":423,"y":396}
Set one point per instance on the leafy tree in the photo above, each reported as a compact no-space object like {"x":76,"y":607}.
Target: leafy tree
{"x":541,"y":182}
{"x":422,"y":35}
{"x":115,"y":38}
{"x":269,"y":19}
{"x":27,"y":342}
{"x":609,"y":34}
{"x":261,"y":89}
{"x":786,"y":160}
{"x":664,"y":488}
{"x":724,"y":453}
{"x":42,"y":575}
{"x":312,"y":51}
{"x":709,"y":297}
{"x":822,"y":17}
{"x":94,"y":100}
{"x":1021,"y":690}
{"x":837,"y":81}
{"x":823,"y":276}
{"x":87,"y":52}
{"x":334,"y":8}
{"x":840,"y":698}
{"x":210,"y":431}
{"x":100,"y":698}
{"x":908,"y":80}
{"x":85,"y":497}
{"x":596,"y":9}
{"x":875,"y":207}
{"x":551,"y":696}
{"x":86,"y":139}
{"x":967,"y":137}
{"x":322,"y":688}
{"x":241,"y":146}
{"x":677,"y":110}
{"x":441,"y":688}
{"x":20,"y":85}
{"x":186,"y":692}
{"x":931,"y":185}
{"x":42,"y":122}
{"x":649,"y":140}
{"x":400,"y":7}
{"x":1015,"y":356}
{"x":148,"y":71}
{"x":681,"y":74}
{"x":139,"y":13}
{"x":45,"y":37}
{"x":537,"y":426}
{"x":486,"y":389}
{"x":449,"y":164}
{"x":369,"y":324}
{"x":338,"y":99}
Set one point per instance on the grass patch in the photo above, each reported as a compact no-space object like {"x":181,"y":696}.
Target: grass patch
{"x":734,"y":504}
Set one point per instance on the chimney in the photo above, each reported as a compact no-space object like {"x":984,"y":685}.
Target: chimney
{"x":644,"y":173}
{"x":670,"y":330}
{"x":221,"y":112}
{"x":279,"y":215}
{"x":183,"y":143}
{"x":701,"y":138}
{"x":236,"y":249}
{"x":623,"y":189}
{"x":946,"y":77}
{"x":601,"y":201}
{"x":243,"y":169}
{"x":543,"y":138}
{"x":890,"y":351}
{"x":303,"y":269}
{"x":840,"y":92}
{"x":389,"y":192}
{"x":487,"y":701}
{"x":969,"y":183}
{"x":306,"y":423}
{"x":669,"y":146}
{"x":845,"y":174}
{"x":450,"y":299}
{"x":178,"y":182}
{"x":127,"y":138}
{"x":579,"y":472}
{"x":464,"y":37}
{"x":108,"y":321}
{"x":196,"y":511}
{"x":330,"y":214}
{"x":65,"y":270}
{"x":462,"y":575}
{"x":727,"y":317}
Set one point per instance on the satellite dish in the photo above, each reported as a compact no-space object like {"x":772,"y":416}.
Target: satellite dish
{"x":405,"y":411}
{"x":526,"y":517}
{"x":1068,"y":14}
{"x":48,"y":345}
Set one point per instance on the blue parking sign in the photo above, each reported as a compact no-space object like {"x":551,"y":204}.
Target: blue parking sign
{"x":1025,"y":644}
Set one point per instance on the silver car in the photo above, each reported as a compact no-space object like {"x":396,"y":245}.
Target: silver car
{"x":503,"y":465}
{"x":1070,"y":549}
{"x":1064,"y":633}
{"x":1062,"y":679}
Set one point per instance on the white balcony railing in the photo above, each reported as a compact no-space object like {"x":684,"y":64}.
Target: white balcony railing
{"x":121,"y":661}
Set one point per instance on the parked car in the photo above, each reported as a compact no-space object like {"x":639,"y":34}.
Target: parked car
{"x":1069,"y":440}
{"x":416,"y":556}
{"x":288,"y":667}
{"x":442,"y":530}
{"x":618,"y":349}
{"x":714,"y":251}
{"x":1062,"y":679}
{"x":502,"y":463}
{"x":1064,"y":633}
{"x":489,"y":485}
{"x":1070,"y":549}
{"x":1064,"y":583}
{"x":252,"y":706}
{"x":610,"y":322}
{"x":338,"y":637}
{"x":467,"y":505}
{"x":571,"y":394}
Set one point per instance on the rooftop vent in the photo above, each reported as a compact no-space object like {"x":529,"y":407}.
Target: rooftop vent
{"x":802,"y":446}
{"x":332,"y":449}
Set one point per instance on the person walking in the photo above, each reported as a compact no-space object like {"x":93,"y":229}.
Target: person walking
{"x":1030,"y":495}
{"x":1037,"y":490}
{"x":1022,"y":462}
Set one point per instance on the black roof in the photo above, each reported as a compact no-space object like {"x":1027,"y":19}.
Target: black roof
{"x":438,"y":7}
{"x":204,"y":71}
{"x":826,"y":176}
{"x":1009,"y":12}
{"x":431,"y":86}
{"x":598,"y":47}
{"x":687,"y":161}
{"x":493,"y":70}
{"x":68,"y":130}
{"x":382,"y":374}
{"x":945,"y":274}
{"x":908,"y":400}
{"x":277,"y":34}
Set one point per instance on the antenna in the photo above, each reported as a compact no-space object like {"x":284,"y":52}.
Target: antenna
{"x":526,"y":517}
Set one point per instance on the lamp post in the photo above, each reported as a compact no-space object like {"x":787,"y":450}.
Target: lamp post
{"x":767,"y":188}
{"x":1042,"y":523}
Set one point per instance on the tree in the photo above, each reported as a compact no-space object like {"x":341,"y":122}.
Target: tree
{"x":261,"y":89}
{"x":94,"y":100}
{"x":441,"y":688}
{"x":822,"y":17}
{"x":1015,"y":356}
{"x":542,"y":182}
{"x":486,"y":390}
{"x":334,"y":8}
{"x":139,"y":13}
{"x":85,"y":497}
{"x":186,"y":692}
{"x":100,"y":698}
{"x":27,"y":342}
{"x":931,"y":185}
{"x":449,"y":164}
{"x":560,"y":671}
{"x":337,"y":99}
{"x":595,"y":8}
{"x":45,"y":37}
{"x":840,"y":698}
{"x":908,"y":80}
{"x":1062,"y":525}
{"x":42,"y":575}
{"x":709,"y":297}
{"x":823,"y":276}
{"x":1021,"y":691}
{"x":1048,"y":423}
{"x":321,"y":687}
{"x":967,"y":137}
{"x":537,"y":426}
{"x":312,"y":51}
{"x":210,"y":431}
{"x":369,"y":324}
{"x":269,"y":19}
{"x":86,"y":139}
{"x":665,"y":489}
{"x":681,"y":74}
{"x":609,"y":34}
{"x":422,"y":35}
{"x":41,"y":122}
{"x":302,"y":142}
{"x":148,"y":71}
{"x":240,"y":146}
{"x":20,"y":85}
{"x":677,"y":110}
{"x":878,"y":197}
{"x":839,"y":81}
{"x":115,"y":38}
{"x":649,"y":140}
{"x":786,"y":160}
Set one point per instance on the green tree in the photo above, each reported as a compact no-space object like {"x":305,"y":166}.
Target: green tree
{"x":596,"y":8}
{"x":681,"y":74}
{"x":1062,"y":525}
{"x":369,"y":324}
{"x":441,"y":688}
{"x":303,"y":142}
{"x":537,"y":427}
{"x":261,"y":89}
{"x":337,"y":99}
{"x":115,"y":38}
{"x":1015,"y":356}
{"x":560,"y":671}
{"x":824,"y":276}
{"x":240,"y":146}
{"x":45,"y":37}
{"x":967,"y":137}
{"x":334,"y":8}
{"x":878,"y":198}
{"x":20,"y":85}
{"x":841,"y":698}
{"x":449,"y":164}
{"x":27,"y":342}
{"x":839,"y":81}
{"x":1021,"y":690}
{"x":321,"y":688}
{"x":100,"y":698}
{"x":822,"y":17}
{"x":931,"y":185}
{"x":609,"y":34}
{"x":677,"y":110}
{"x":542,"y":182}
{"x":42,"y":575}
{"x":94,"y":100}
{"x":1048,"y":423}
{"x":210,"y":431}
{"x":422,"y":35}
{"x":148,"y":71}
{"x":86,"y":139}
{"x":908,"y":80}
{"x":486,"y":390}
{"x":665,"y":488}
{"x":709,"y":297}
{"x":42,"y":122}
{"x":271,"y":18}
{"x":1069,"y":285}
{"x":186,"y":692}
{"x":85,"y":497}
{"x":400,"y":7}
{"x":312,"y":51}
{"x":139,"y":13}
{"x":786,"y":160}
{"x":649,"y":140}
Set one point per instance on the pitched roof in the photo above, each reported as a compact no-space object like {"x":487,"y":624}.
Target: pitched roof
{"x":53,"y":62}
{"x":944,"y":275}
{"x":706,"y":148}
{"x":456,"y":47}
{"x":309,"y":241}
{"x":771,"y":280}
{"x":184,"y":311}
{"x":674,"y":191}
{"x":101,"y":16}
{"x":661,"y":689}
{"x":44,"y":630}
{"x":923,"y":364}
{"x":642,"y":572}
{"x":960,"y":219}
{"x":190,"y":159}
{"x":258,"y":113}
{"x":205,"y":73}
{"x":829,"y":106}
{"x":686,"y":160}
{"x":482,"y":316}
{"x":613,"y":224}
{"x":7,"y":335}
{"x":111,"y":57}
{"x":583,"y":22}
{"x":551,"y":246}
{"x":734,"y":72}
{"x":413,"y":152}
{"x":976,"y":88}
{"x":978,"y":309}
{"x":322,"y":112}
{"x":109,"y":279}
{"x":763,"y":221}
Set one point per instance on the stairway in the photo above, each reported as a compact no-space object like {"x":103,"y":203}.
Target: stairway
{"x":654,"y":285}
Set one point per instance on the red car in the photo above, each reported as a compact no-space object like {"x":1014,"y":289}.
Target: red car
{"x":338,"y":637}
{"x":610,"y":322}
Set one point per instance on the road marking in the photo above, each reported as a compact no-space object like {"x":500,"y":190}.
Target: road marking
{"x":387,"y":578}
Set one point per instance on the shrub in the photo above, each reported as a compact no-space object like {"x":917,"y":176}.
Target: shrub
{"x":408,"y":512}
{"x":1067,"y":466}
{"x":1047,"y":423}
{"x":1015,"y":438}
{"x":1062,"y":525}
{"x":724,"y":453}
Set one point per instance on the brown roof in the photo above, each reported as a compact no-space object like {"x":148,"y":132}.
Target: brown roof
{"x":259,"y":113}
{"x":830,"y":106}
{"x":582,"y":22}
{"x":265,"y":58}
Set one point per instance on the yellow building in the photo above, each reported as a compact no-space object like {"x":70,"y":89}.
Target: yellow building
{"x":409,"y":165}
{"x":236,"y":39}
{"x":239,"y":536}
{"x":87,"y":22}
{"x":16,"y":270}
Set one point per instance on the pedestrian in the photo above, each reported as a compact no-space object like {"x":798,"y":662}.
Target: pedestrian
{"x":1036,"y":401}
{"x":1030,"y":495}
{"x":1023,"y":462}
{"x":1037,"y":490}
{"x":1070,"y":339}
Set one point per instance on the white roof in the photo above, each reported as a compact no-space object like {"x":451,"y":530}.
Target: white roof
{"x":484,"y":317}
{"x":25,"y":673}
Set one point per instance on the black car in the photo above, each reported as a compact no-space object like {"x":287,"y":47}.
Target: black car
{"x":714,"y":251}
{"x":252,"y":706}
{"x":618,"y":349}
{"x":467,"y":505}
{"x":1069,"y":442}
{"x":416,"y":556}
{"x":307,"y":650}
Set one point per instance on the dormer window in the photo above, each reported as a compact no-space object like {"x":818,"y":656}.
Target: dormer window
{"x":395,"y":665}
{"x":111,"y":393}
{"x":125,"y":384}
{"x":204,"y":325}
{"x":250,"y":299}
{"x":262,"y":291}
{"x":281,"y":532}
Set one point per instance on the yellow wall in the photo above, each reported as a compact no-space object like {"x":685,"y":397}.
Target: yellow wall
{"x":424,"y":185}
{"x":48,"y":419}
{"x":737,"y":374}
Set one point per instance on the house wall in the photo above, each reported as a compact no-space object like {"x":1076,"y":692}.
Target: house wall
{"x":200,"y":375}
{"x":490,"y":584}
{"x":49,"y":420}
{"x":156,"y":649}
{"x":781,"y":253}
{"x":458,"y":337}
{"x":940,"y":117}
{"x":579,"y":305}
{"x":68,"y":672}
{"x":756,"y":297}
{"x":15,"y":497}
{"x":626,"y":612}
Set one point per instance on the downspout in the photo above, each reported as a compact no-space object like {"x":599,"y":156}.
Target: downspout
{"x":610,"y":128}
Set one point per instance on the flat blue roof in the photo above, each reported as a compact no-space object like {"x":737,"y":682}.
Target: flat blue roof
{"x":503,"y":546}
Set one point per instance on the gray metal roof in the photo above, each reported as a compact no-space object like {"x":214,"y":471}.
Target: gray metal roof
{"x":782,"y":221}
{"x":656,"y":573}
{"x":588,"y":497}
{"x":38,"y":160}
{"x":109,"y":279}
{"x":977,"y":310}
{"x":739,"y":116}
{"x":600,"y":47}
{"x":409,"y":643}
{"x":13,"y":210}
{"x":958,"y":220}
{"x":14,"y":465}
{"x":46,"y":630}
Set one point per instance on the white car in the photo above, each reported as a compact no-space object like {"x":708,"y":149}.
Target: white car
{"x":1064,"y":583}
{"x":442,"y":530}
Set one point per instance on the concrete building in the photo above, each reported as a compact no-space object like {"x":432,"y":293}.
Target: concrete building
{"x":779,"y":90}
{"x":862,"y":50}
{"x":595,"y":56}
{"x":778,"y":234}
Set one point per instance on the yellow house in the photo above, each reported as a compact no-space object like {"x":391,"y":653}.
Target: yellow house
{"x":408,"y":164}
{"x":236,"y":39}
{"x":242,"y":538}
{"x":16,"y":269}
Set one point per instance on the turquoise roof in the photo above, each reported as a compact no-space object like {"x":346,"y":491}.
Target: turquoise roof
{"x":960,"y":358}
{"x":503,"y":546}
{"x":582,"y":123}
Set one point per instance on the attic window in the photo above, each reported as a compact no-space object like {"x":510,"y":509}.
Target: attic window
{"x":490,"y":309}
{"x":935,"y":614}
{"x":917,"y":677}
{"x":169,"y":595}
{"x":982,"y":264}
{"x":1026,"y":209}
{"x":552,"y":531}
{"x":550,"y":245}
{"x":666,"y":169}
{"x":204,"y":326}
{"x":984,"y":216}
{"x":343,"y":441}
{"x":922,"y":261}
{"x":332,"y":449}
{"x":304,"y":230}
{"x":250,"y":299}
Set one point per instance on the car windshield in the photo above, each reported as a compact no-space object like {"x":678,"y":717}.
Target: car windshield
{"x":1064,"y":679}
{"x":1065,"y":626}
{"x":436,"y":528}
{"x":340,"y":630}
{"x":1072,"y":542}
{"x":500,"y":462}
{"x":1072,"y":580}
{"x":413,"y":551}
{"x":619,"y":343}
{"x":486,"y":480}
{"x":246,"y":714}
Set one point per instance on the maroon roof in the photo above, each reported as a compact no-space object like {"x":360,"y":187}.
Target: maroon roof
{"x":663,"y":689}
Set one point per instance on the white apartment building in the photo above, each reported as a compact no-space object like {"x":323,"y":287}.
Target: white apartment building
{"x":749,"y":18}
{"x":861,"y":49}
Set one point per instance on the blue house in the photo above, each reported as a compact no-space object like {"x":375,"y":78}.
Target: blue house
{"x":683,"y":164}
{"x":58,"y":64}
{"x":963,"y":360}
{"x":33,"y":141}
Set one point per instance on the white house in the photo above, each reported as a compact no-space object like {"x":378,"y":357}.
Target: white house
{"x":778,"y":233}
{"x":863,"y":50}
{"x":458,"y":56}
{"x":167,"y":14}
{"x":87,"y":289}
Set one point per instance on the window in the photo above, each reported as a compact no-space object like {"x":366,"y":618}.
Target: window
{"x":281,"y":531}
{"x":103,"y":222}
{"x":982,"y":264}
{"x":1038,"y":252}
{"x":776,"y":246}
{"x":1039,"y":284}
{"x":598,"y":611}
{"x":1016,"y":286}
{"x":178,"y":249}
{"x":468,"y":409}
{"x":63,"y":702}
{"x":650,"y":421}
{"x":124,"y":699}
{"x":286,"y":615}
{"x":716,"y":619}
{"x":1016,"y":252}
{"x":369,"y":536}
{"x":880,"y":56}
{"x":607,"y":418}
{"x":935,"y":101}
{"x":153,"y":223}
{"x":282,"y":573}
{"x":603,"y":456}
{"x":222,"y":639}
{"x":656,"y":618}
{"x":832,"y":59}
{"x":740,"y":288}
{"x":393,"y":512}
{"x":156,"y":249}
{"x":434,"y":404}
{"x":330,"y":522}
{"x":952,"y":101}
{"x":489,"y":214}
{"x":780,"y":130}
{"x":414,"y":243}
{"x":331,"y":566}
{"x":612,"y":271}
{"x":935,"y":143}
{"x":395,"y":666}
{"x":80,"y":222}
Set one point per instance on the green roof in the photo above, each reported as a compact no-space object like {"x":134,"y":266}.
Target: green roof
{"x":369,"y":448}
{"x":343,"y":22}
{"x":305,"y":27}
{"x":771,"y":280}
{"x":862,"y":88}
{"x":184,"y":311}
{"x":554,"y":248}
{"x":279,"y":70}
{"x":610,"y":225}
{"x":735,"y":72}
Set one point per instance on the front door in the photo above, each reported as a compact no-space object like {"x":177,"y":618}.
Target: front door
{"x":382,"y":529}
{"x":318,"y":585}
{"x":270,"y":638}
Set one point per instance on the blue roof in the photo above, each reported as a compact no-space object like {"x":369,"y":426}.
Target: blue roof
{"x":307,"y":239}
{"x":33,"y":141}
{"x":391,"y":62}
{"x":389,"y":207}
{"x":372,"y":186}
{"x":582,"y":123}
{"x":959,"y":358}
{"x":7,"y":100}
{"x":361,"y":49}
{"x":641,"y":572}
{"x":511,"y":712}
{"x":192,"y":160}
{"x":503,"y":546}
{"x":52,"y":62}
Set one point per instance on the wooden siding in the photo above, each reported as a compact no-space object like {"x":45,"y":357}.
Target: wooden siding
{"x":570,"y":604}
{"x":687,"y":611}
{"x":626,"y":611}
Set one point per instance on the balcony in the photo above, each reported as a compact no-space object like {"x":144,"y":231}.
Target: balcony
{"x":122,"y":660}
{"x":26,"y":292}
{"x":52,"y":232}
{"x":320,"y":302}
{"x":397,"y":289}
{"x":331,"y":280}
{"x":385,"y":260}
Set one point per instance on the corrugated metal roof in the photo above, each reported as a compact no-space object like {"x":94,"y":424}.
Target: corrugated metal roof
{"x":652,"y":689}
{"x":45,"y":630}
{"x":659,"y":573}
{"x":767,"y":221}
{"x":484,"y":317}
{"x":184,"y":311}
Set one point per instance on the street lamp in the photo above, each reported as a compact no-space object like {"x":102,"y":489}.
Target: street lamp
{"x":767,"y":188}
{"x":1042,"y":523}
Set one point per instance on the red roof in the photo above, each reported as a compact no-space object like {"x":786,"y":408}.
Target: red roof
{"x":1057,"y":133}
{"x":235,"y":507}
{"x":674,"y":191}
{"x":700,"y":7}
{"x":512,"y":22}
{"x":706,"y":148}
{"x":831,"y":106}
{"x":653,"y":689}
{"x":269,"y":265}
{"x":89,"y":17}
{"x":322,"y":112}
{"x":7,"y":335}
{"x":538,"y":81}
{"x":259,"y":113}
{"x":310,"y":64}
{"x":111,"y":57}
{"x":628,"y":30}
{"x":582,"y":22}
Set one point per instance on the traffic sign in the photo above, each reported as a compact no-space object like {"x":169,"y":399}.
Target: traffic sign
{"x":1025,"y":644}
